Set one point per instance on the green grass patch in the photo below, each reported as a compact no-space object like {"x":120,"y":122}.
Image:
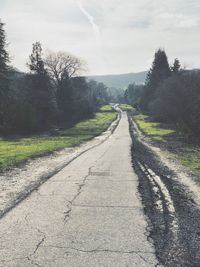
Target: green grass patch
{"x":126,"y":107}
{"x":188,"y":154}
{"x":106,"y":108}
{"x":152,"y":129}
{"x":190,"y":157}
{"x":15,"y":151}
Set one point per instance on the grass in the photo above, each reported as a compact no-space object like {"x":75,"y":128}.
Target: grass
{"x":18,"y":150}
{"x":187,"y":154}
{"x":190,"y":157}
{"x":126,"y":107}
{"x":106,"y":108}
{"x":152,"y":129}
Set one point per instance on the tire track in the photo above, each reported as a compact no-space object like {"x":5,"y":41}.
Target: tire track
{"x":173,"y":217}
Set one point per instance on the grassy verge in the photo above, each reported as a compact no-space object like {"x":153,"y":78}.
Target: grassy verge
{"x":107,"y":108}
{"x":188,"y":154}
{"x":153,"y":129}
{"x":126,"y":107}
{"x":18,"y":150}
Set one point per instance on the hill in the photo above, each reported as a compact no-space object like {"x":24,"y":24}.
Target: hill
{"x":120,"y":80}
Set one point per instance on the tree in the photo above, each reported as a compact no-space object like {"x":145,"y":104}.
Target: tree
{"x":159,"y":71}
{"x":176,"y":67}
{"x":63,"y":68}
{"x":177,"y":101}
{"x":99,"y":94}
{"x":61,"y":64}
{"x":40,"y":91}
{"x":133,"y":94}
{"x":4,"y":80}
{"x":36,"y":63}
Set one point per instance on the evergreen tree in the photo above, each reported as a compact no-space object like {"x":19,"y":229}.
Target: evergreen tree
{"x":36,"y":63}
{"x":176,"y":67}
{"x":4,"y":80}
{"x":40,"y":91}
{"x":159,"y":71}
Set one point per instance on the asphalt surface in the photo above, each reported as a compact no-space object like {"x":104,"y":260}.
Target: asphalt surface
{"x":89,"y":214}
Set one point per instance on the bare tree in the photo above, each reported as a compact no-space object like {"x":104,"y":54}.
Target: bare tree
{"x":61,"y":64}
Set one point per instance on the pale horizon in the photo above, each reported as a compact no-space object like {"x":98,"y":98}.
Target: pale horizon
{"x":113,"y":38}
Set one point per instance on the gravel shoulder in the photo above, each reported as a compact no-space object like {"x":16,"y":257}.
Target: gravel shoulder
{"x":18,"y":182}
{"x":171,"y":202}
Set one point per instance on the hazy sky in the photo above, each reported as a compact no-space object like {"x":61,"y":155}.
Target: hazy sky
{"x":113,"y":36}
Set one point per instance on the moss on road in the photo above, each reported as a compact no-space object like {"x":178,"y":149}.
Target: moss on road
{"x":18,"y":150}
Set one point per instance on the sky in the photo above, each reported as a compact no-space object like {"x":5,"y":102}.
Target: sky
{"x":111,"y":36}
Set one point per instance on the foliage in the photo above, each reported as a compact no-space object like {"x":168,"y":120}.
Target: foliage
{"x":126,"y":107}
{"x":152,"y":129}
{"x":4,"y":81}
{"x":106,"y":108}
{"x":50,"y":96}
{"x":169,"y":95}
{"x":99,"y":94}
{"x":190,"y":157}
{"x":36,"y":63}
{"x":133,"y":94}
{"x":188,"y":154}
{"x":39,"y":91}
{"x":59,"y":64}
{"x":159,"y":71}
{"x":176,"y":67}
{"x":178,"y":101}
{"x":16,"y":150}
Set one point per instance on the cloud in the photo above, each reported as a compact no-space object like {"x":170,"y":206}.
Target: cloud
{"x":126,"y":33}
{"x":91,"y":21}
{"x":176,"y":20}
{"x":188,"y":23}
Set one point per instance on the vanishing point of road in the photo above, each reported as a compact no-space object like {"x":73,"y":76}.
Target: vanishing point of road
{"x":89,"y":214}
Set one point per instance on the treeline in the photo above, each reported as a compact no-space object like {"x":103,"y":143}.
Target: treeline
{"x":52,"y":94}
{"x":170,"y":94}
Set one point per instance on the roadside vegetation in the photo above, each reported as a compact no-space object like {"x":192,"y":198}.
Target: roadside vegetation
{"x":107,"y":108}
{"x":52,"y":93}
{"x":17,"y":150}
{"x":170,"y":95}
{"x":153,"y":129}
{"x":172,"y":139}
{"x":50,"y":107}
{"x":168,"y":108}
{"x":126,"y":107}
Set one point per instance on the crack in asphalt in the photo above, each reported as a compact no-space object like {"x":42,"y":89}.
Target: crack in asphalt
{"x":39,"y":244}
{"x":70,"y":203}
{"x":104,"y":206}
{"x":44,"y":177}
{"x":137,"y":252}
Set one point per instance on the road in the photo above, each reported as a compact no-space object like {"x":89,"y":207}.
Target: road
{"x":89,"y":214}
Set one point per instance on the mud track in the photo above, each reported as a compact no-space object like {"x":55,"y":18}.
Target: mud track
{"x":173,"y":216}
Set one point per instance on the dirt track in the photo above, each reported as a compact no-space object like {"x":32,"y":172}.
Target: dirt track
{"x":171,"y":205}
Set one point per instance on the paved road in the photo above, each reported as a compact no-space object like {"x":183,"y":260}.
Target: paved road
{"x":89,"y":214}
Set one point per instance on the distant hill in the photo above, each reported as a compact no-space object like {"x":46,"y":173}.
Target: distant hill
{"x":120,"y":80}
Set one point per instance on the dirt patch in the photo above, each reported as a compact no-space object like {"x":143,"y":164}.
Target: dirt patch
{"x":177,"y":245}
